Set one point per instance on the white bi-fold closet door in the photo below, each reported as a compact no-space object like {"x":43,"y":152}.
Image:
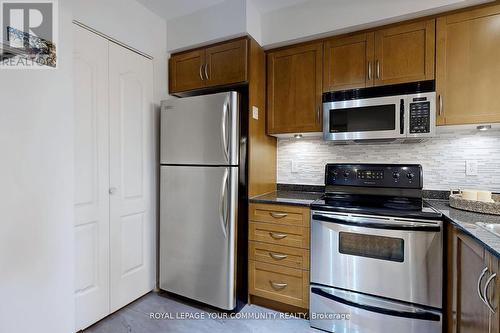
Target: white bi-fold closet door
{"x":114,"y":163}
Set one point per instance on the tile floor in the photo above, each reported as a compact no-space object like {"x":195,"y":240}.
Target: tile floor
{"x":135,"y":318}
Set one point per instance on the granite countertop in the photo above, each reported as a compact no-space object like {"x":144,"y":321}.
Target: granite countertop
{"x":297,"y":198}
{"x":465,"y":221}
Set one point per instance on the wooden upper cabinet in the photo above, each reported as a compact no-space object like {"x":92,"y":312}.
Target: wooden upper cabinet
{"x":294,"y":88}
{"x":227,"y":63}
{"x":348,"y":62}
{"x":186,"y":71}
{"x":468,"y":67}
{"x":405,"y":53}
{"x":221,"y":64}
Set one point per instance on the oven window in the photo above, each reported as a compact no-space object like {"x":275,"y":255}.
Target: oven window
{"x":363,"y":119}
{"x":370,"y":246}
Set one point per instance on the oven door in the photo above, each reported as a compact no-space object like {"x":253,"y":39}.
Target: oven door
{"x":390,"y":257}
{"x":340,"y":311}
{"x":365,"y":119}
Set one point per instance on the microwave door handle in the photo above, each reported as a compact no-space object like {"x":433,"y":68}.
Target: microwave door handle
{"x":402,"y":117}
{"x":399,"y":225}
{"x":422,"y":314}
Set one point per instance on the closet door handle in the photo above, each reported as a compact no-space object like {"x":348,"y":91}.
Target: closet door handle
{"x":485,"y":292}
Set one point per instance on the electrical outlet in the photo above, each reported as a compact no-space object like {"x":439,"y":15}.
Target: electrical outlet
{"x":471,"y":168}
{"x":255,"y":112}
{"x":295,"y":167}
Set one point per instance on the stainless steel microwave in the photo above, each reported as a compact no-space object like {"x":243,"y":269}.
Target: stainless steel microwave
{"x":403,"y":112}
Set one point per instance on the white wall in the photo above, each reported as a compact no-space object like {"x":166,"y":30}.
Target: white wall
{"x":318,"y":18}
{"x":36,"y":194}
{"x":216,"y":23}
{"x":36,"y":187}
{"x":254,"y":23}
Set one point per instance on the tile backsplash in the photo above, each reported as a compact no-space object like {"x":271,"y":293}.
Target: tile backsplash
{"x":443,"y":158}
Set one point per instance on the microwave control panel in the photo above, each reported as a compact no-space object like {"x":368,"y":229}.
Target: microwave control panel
{"x":420,"y":117}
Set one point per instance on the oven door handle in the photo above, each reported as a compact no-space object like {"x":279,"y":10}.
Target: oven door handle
{"x":398,"y":225}
{"x":421,"y":314}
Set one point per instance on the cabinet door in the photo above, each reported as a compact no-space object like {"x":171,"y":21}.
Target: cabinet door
{"x":405,"y":53}
{"x":468,"y":70}
{"x":226,"y":63}
{"x":186,"y":71}
{"x":91,"y":178}
{"x":471,"y":314}
{"x":294,"y":78}
{"x":132,"y":188}
{"x":348,"y":63}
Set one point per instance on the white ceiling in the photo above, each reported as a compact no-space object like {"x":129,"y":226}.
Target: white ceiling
{"x":175,"y":8}
{"x":266,"y":6}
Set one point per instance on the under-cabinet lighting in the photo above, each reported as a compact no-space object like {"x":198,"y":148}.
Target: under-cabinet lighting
{"x":483,"y":127}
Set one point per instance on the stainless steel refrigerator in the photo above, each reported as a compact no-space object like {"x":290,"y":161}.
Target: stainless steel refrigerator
{"x":199,"y":185}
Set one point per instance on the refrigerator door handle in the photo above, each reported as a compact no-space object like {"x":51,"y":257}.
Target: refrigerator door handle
{"x":223,"y":203}
{"x":225,"y":146}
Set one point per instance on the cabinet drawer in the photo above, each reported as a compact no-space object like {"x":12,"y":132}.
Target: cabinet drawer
{"x":280,"y":214}
{"x":279,"y":255}
{"x":281,"y":284}
{"x":279,"y":234}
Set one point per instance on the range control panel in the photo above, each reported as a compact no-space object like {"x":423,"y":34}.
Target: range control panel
{"x":420,"y":116}
{"x":375,"y":175}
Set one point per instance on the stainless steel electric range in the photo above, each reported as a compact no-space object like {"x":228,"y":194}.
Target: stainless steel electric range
{"x":376,"y":252}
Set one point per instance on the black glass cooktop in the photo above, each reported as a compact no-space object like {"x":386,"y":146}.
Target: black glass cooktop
{"x":376,"y":205}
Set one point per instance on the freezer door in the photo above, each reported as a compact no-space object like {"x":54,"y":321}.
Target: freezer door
{"x":198,"y":233}
{"x":201,"y":130}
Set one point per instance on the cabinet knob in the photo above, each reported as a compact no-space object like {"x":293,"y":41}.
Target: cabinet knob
{"x":112,"y":190}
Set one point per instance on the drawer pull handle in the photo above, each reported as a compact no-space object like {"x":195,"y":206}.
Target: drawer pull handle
{"x":278,"y":215}
{"x":278,"y":256}
{"x":277,"y":236}
{"x":278,"y":286}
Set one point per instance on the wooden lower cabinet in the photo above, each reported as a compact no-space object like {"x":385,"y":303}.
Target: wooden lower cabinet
{"x":282,"y":284}
{"x":470,"y":268}
{"x":279,"y":255}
